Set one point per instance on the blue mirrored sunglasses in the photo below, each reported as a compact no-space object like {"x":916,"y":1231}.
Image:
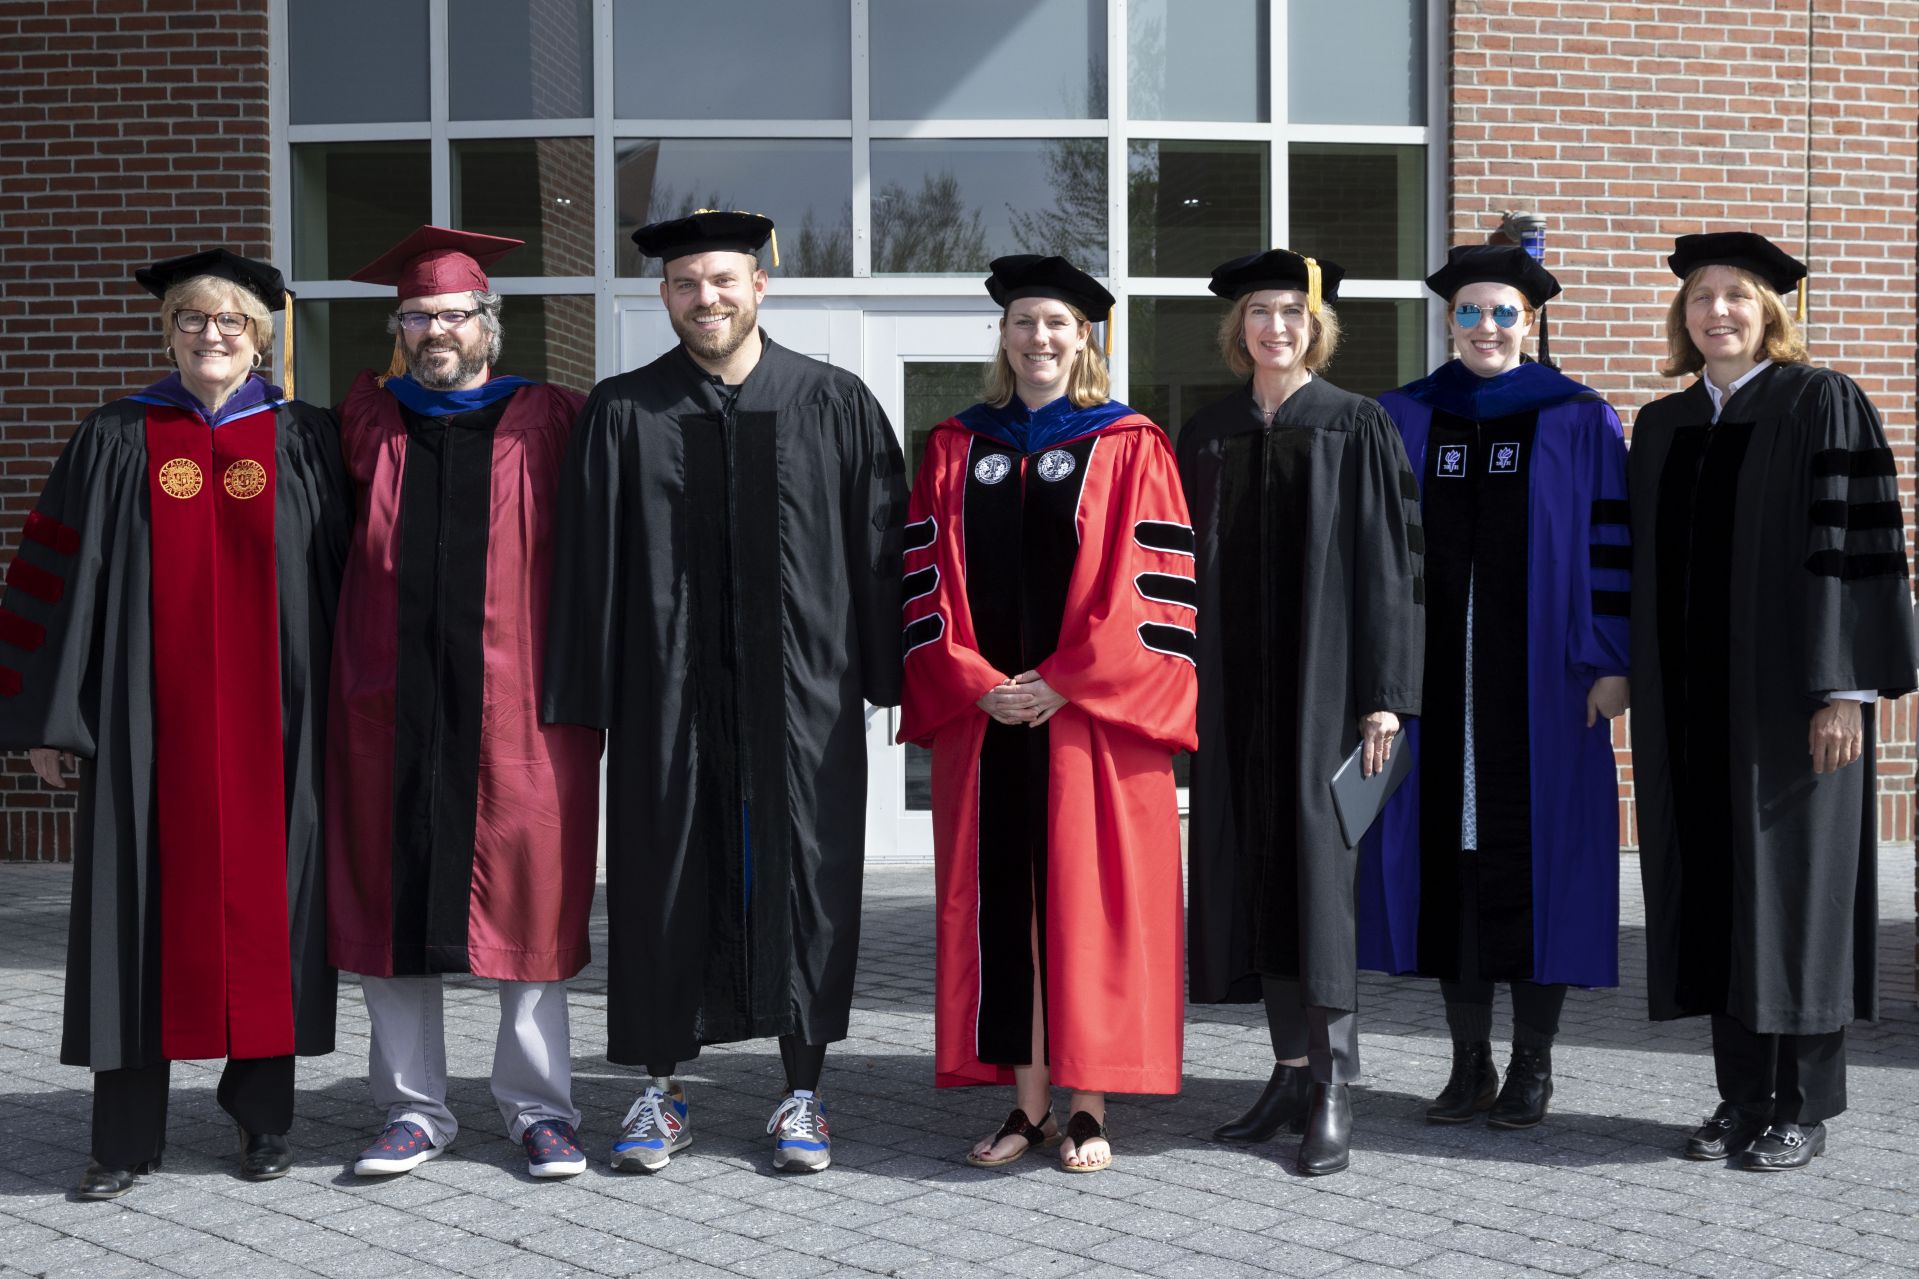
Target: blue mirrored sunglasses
{"x":1466,"y":315}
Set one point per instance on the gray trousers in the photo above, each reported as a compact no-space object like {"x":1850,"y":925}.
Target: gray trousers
{"x":1328,"y":1038}
{"x":406,"y":1058}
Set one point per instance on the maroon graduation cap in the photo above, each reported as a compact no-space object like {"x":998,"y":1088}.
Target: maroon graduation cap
{"x":435,"y":260}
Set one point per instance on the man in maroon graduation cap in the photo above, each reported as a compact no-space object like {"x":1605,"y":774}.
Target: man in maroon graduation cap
{"x":462,"y":833}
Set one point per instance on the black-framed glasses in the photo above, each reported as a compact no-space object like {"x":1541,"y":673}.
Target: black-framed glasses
{"x":421,"y":321}
{"x":1505,"y":315}
{"x":229,"y":323}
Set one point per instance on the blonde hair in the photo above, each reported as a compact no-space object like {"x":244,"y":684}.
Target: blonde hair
{"x":1232,"y":338}
{"x":1086,"y":385}
{"x":206,"y":293}
{"x":1782,"y":344}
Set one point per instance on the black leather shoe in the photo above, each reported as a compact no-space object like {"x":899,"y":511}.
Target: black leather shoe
{"x":1471,"y":1087}
{"x":110,"y":1183}
{"x":1282,"y":1105}
{"x":1783,"y":1146}
{"x":1529,"y":1086}
{"x":1730,"y":1130}
{"x":264,"y":1155}
{"x":1328,"y":1144}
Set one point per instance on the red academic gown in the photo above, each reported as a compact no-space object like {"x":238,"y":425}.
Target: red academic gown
{"x":1074,"y":559}
{"x":462,"y":832}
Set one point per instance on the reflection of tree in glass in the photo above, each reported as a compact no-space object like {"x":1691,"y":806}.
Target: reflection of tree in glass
{"x":1075,"y":226}
{"x":932,"y":231}
{"x":821,"y":250}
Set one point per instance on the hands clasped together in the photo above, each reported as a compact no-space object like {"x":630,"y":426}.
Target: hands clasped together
{"x":1024,"y":699}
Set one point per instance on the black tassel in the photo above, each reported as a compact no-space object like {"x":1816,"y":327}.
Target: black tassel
{"x":1545,"y":348}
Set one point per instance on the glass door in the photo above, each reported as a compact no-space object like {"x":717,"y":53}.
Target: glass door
{"x":924,"y":368}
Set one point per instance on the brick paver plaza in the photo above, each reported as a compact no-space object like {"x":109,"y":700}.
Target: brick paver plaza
{"x":1598,"y":1190}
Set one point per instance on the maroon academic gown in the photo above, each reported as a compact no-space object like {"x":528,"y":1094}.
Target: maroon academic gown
{"x":462,"y":832}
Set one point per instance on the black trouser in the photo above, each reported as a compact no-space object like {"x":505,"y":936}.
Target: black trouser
{"x":1469,"y":997}
{"x":1328,"y":1038}
{"x":130,"y":1105}
{"x":803,"y":1063}
{"x":1801,"y":1079}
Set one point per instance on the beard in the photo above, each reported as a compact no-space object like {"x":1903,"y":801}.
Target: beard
{"x":470,"y":364}
{"x":722,"y":342}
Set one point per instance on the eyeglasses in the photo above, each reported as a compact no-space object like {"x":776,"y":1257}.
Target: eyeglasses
{"x":421,"y":321}
{"x":227,"y":322}
{"x":1466,"y":315}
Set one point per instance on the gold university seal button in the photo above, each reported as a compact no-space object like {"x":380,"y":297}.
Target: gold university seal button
{"x":246,"y":478}
{"x":180,"y":477}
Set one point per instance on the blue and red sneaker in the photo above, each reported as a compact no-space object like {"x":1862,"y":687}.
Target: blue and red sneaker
{"x":551,"y":1150}
{"x":801,"y":1142}
{"x":654,"y":1130}
{"x":400,"y":1147}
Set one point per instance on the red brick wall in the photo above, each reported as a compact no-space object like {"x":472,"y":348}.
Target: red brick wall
{"x":129,"y":130}
{"x":1629,"y":124}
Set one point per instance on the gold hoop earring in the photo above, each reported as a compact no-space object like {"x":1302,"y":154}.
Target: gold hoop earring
{"x":166,"y":349}
{"x":259,"y":358}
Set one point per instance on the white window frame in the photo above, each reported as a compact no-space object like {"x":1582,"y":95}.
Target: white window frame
{"x":611,"y":292}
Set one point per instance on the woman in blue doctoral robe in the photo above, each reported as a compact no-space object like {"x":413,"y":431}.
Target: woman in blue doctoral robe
{"x":1499,"y":859}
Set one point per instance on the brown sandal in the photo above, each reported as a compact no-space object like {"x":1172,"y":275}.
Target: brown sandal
{"x":1080,"y":1129}
{"x":1017,"y":1125}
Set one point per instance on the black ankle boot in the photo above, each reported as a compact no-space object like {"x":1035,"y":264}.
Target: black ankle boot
{"x":1282,"y":1105}
{"x":1529,"y":1086}
{"x":1471,"y":1087}
{"x":1329,"y":1131}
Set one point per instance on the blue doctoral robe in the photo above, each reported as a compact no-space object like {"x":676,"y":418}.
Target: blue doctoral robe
{"x":1556,"y":553}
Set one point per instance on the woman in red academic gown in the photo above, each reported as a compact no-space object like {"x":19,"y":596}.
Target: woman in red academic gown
{"x":1049,"y":666}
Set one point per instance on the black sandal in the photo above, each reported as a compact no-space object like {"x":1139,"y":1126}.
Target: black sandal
{"x":1016,"y":1125}
{"x":1080,"y":1129}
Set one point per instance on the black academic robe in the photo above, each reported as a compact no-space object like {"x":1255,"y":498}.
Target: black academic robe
{"x":87,"y":683}
{"x":1310,"y":617}
{"x":726,"y":594}
{"x":1769,"y":570}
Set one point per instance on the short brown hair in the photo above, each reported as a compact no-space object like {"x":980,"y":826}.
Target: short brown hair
{"x":203,"y":293}
{"x":1232,"y":338}
{"x":1783,"y":343}
{"x":1088,"y":384}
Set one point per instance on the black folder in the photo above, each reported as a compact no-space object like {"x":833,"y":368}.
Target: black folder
{"x":1358,"y":799}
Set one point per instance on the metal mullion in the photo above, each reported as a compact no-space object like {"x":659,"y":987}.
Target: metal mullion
{"x":1199,"y":130}
{"x":606,"y":347}
{"x":629,"y":128}
{"x":1385,"y":135}
{"x":279,"y":145}
{"x":861,"y":109}
{"x":1117,"y":247}
{"x":457,"y":129}
{"x":989,"y":128}
{"x":1279,"y":122}
{"x":438,"y":153}
{"x":542,"y":285}
{"x":401,"y":131}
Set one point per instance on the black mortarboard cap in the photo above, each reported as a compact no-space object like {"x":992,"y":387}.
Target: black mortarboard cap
{"x":1278,"y":269}
{"x":1746,"y":250}
{"x":258,"y":278}
{"x":1495,"y":263}
{"x":707,"y":231}
{"x":1029,"y":275}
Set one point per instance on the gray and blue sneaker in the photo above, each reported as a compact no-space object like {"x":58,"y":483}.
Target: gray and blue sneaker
{"x":654,"y":1130}
{"x":801,"y":1142}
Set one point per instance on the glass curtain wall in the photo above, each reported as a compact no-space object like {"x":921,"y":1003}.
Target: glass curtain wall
{"x":900,"y":145}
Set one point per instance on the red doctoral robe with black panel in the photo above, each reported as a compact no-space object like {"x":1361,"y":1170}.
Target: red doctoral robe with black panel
{"x":1056,"y":541}
{"x":462,"y":832}
{"x":167,"y":619}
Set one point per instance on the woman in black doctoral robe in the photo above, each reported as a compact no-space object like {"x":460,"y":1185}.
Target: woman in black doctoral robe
{"x":168,"y":621}
{"x":1770,"y":608}
{"x":1310,"y":633}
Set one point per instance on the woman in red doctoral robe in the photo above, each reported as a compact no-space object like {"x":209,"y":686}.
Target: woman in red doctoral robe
{"x":1049,"y":666}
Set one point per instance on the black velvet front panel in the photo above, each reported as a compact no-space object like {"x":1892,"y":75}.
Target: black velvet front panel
{"x":1477,"y":517}
{"x":1698,"y":491}
{"x":446,"y":497}
{"x":1021,"y":544}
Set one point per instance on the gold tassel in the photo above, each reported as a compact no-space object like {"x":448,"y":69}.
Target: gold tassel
{"x":1109,"y":332}
{"x":286,"y":349}
{"x":397,"y":365}
{"x":1313,"y":287}
{"x":775,"y":234}
{"x":1802,"y":299}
